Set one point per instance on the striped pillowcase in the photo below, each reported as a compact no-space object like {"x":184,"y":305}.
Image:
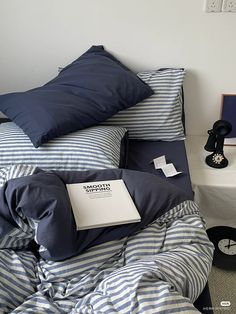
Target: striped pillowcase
{"x":98,"y":147}
{"x":158,"y":117}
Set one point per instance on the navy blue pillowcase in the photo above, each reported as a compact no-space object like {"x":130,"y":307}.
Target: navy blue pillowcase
{"x":88,"y":91}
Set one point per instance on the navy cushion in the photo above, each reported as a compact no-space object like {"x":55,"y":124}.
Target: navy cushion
{"x":88,"y":91}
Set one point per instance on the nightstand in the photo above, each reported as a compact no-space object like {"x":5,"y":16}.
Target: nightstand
{"x":214,"y":189}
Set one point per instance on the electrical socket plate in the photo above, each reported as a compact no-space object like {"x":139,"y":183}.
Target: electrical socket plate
{"x":213,"y":5}
{"x":229,"y":6}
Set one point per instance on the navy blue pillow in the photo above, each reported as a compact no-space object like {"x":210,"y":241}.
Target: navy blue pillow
{"x":88,"y":91}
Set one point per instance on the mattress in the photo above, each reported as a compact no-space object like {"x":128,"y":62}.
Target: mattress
{"x":140,"y":156}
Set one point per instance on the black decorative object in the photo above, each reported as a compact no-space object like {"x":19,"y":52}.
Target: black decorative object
{"x":215,"y":144}
{"x":224,"y":240}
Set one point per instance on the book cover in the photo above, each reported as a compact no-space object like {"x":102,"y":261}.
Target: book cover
{"x":101,"y":204}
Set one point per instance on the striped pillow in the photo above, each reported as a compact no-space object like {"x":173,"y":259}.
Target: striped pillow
{"x":98,"y":147}
{"x":158,"y":117}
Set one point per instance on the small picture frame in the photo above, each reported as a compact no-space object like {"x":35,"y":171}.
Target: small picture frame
{"x":228,"y":113}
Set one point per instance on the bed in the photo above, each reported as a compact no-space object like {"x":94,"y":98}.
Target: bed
{"x":140,"y":155}
{"x":159,"y":265}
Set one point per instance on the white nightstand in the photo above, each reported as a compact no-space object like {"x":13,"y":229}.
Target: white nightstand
{"x":214,"y":189}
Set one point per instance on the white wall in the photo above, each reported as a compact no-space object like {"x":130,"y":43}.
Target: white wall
{"x":38,"y":36}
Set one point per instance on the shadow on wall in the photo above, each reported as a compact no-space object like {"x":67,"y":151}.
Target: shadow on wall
{"x":196,"y":115}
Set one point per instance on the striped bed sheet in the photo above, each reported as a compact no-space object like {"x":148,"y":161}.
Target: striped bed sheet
{"x":161,"y":269}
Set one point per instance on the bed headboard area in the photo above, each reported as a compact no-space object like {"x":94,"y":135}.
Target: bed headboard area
{"x":39,"y":37}
{"x":98,"y":89}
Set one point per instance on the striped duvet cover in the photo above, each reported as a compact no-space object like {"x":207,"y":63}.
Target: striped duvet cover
{"x":161,"y":269}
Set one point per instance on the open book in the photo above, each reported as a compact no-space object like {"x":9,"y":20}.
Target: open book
{"x":101,"y":204}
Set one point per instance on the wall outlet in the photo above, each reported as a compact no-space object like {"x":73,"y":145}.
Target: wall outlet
{"x":213,"y":5}
{"x":229,"y":6}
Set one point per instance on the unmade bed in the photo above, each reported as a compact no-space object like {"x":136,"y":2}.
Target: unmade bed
{"x":150,"y":267}
{"x":75,"y":285}
{"x":98,"y":121}
{"x":140,"y":156}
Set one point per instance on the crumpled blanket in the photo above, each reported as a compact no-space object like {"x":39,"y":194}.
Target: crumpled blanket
{"x":160,"y":268}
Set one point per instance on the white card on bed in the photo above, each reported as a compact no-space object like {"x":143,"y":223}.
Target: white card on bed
{"x":101,"y":204}
{"x":168,"y":169}
{"x":159,"y":162}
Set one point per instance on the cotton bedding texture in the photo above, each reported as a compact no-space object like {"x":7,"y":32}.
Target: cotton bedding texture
{"x":160,"y":265}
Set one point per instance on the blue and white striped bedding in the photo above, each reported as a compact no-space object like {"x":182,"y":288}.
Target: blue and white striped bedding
{"x":161,"y":269}
{"x":158,"y":117}
{"x":98,"y":147}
